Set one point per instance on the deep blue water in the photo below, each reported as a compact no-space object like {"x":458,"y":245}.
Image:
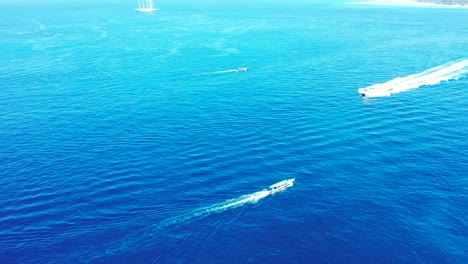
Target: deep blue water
{"x":127,"y":137}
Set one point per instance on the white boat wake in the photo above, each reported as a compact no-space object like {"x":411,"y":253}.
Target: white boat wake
{"x":231,"y":203}
{"x":142,"y":237}
{"x":225,"y":71}
{"x":136,"y":240}
{"x":243,"y":69}
{"x":217,"y":208}
{"x":450,"y":71}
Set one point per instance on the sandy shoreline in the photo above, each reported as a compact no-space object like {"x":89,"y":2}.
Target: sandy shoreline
{"x":406,"y":3}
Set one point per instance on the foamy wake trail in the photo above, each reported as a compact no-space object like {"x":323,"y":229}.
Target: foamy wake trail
{"x":226,"y":71}
{"x":138,"y":239}
{"x":217,"y":208}
{"x":446,"y":72}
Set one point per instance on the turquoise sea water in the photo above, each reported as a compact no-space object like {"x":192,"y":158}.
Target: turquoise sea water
{"x":130,"y":138}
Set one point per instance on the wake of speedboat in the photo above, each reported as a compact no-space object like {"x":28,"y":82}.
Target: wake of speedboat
{"x":217,"y":208}
{"x":242,"y":69}
{"x":446,"y":72}
{"x":137,"y":239}
{"x":226,"y":71}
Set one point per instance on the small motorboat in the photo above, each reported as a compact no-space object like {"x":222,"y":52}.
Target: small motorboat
{"x":243,"y":69}
{"x":279,"y":186}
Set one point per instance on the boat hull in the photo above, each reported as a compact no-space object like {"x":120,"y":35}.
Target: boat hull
{"x":282,"y":185}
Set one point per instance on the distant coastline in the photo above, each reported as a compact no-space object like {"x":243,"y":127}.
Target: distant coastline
{"x":418,"y":3}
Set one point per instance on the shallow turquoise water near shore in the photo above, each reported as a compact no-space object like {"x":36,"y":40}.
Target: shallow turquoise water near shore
{"x":126,"y":139}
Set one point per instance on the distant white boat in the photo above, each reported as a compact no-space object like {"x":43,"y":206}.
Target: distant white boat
{"x":146,"y":6}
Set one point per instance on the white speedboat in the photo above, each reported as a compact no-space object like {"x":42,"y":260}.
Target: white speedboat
{"x":279,"y":186}
{"x":243,"y":69}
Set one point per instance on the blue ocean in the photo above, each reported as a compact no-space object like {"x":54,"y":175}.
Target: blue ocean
{"x":132,"y":137}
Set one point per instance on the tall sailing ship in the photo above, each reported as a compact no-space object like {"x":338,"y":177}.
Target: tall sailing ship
{"x":146,"y":6}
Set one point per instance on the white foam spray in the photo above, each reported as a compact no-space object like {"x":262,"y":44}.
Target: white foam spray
{"x":217,"y":208}
{"x":137,"y":239}
{"x":243,"y":69}
{"x":225,"y":71}
{"x":450,"y":71}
